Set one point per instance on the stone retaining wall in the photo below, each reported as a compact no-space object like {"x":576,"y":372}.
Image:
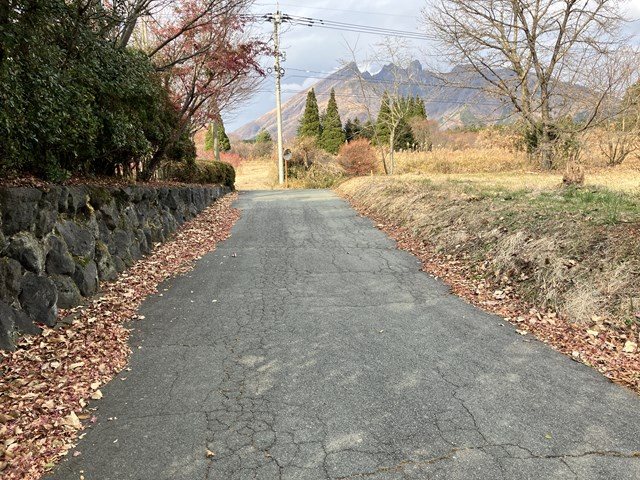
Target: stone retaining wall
{"x":57,"y":245}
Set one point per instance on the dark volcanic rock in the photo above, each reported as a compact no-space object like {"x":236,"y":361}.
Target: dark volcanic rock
{"x":86,"y":277}
{"x":59,"y":260}
{"x":106,"y":266}
{"x":79,"y":239}
{"x":121,"y":244}
{"x":68,"y":292}
{"x":10,"y":279}
{"x":12,"y":323}
{"x":58,"y":243}
{"x":25,"y":248}
{"x":77,"y":199}
{"x":19,"y":207}
{"x":38,"y":298}
{"x":119,"y":263}
{"x":45,"y":221}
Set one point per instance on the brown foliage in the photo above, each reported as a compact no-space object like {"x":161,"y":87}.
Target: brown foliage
{"x":573,"y":175}
{"x":357,"y":157}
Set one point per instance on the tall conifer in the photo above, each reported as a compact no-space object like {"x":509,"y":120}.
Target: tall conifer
{"x":332,"y":136}
{"x":310,"y":121}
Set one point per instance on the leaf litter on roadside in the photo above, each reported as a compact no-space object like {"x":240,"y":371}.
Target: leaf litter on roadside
{"x":46,"y":383}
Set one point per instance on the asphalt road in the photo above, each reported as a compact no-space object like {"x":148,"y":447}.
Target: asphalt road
{"x":307,"y":347}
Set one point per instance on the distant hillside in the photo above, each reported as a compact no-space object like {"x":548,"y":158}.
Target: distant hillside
{"x":462,"y":104}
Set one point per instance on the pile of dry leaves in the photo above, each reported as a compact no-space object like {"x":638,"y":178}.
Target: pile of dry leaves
{"x":602,"y":344}
{"x":46,"y":383}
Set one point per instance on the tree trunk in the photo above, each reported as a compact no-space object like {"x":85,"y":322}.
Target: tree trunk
{"x":546,"y":142}
{"x":152,"y":165}
{"x":392,"y":160}
{"x":216,"y":142}
{"x":545,"y":148}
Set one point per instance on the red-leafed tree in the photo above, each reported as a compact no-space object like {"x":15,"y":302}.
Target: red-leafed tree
{"x":204,"y":53}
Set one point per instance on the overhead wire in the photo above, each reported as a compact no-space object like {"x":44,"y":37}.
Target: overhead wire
{"x":352,"y":27}
{"x":359,"y":12}
{"x":337,"y":25}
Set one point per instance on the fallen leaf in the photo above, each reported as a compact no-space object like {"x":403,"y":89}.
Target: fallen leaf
{"x":4,"y":418}
{"x":210,"y":453}
{"x":97,"y":395}
{"x":72,"y":420}
{"x":630,"y":347}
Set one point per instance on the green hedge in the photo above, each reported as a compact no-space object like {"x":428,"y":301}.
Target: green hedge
{"x":73,"y":102}
{"x":206,"y":173}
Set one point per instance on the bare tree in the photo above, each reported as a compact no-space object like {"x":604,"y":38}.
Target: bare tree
{"x":620,"y":137}
{"x":399,"y":73}
{"x":549,"y":59}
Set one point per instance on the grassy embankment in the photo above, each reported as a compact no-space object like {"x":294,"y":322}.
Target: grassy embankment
{"x":561,"y":263}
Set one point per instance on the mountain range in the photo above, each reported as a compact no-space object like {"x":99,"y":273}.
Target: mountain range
{"x":455,"y":98}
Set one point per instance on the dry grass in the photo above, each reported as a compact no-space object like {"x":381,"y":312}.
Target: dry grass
{"x":256,"y":174}
{"x":468,"y":160}
{"x":575,"y":251}
{"x":503,"y":168}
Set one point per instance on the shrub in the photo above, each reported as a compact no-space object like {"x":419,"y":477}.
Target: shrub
{"x":71,"y":101}
{"x":573,"y":175}
{"x":219,"y":172}
{"x":252,"y":150}
{"x":204,"y":173}
{"x":319,"y":175}
{"x":357,"y":157}
{"x":305,"y":152}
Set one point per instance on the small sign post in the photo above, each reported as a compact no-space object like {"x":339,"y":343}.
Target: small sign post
{"x":286,"y":155}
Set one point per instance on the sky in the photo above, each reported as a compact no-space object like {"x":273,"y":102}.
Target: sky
{"x":312,"y":50}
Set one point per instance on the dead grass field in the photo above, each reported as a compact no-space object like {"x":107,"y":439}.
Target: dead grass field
{"x":576,"y":251}
{"x":503,"y":168}
{"x":257,"y":174}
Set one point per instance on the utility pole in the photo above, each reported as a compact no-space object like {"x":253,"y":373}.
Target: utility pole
{"x":277,"y":21}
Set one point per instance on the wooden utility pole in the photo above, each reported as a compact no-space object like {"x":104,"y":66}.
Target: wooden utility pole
{"x":277,"y":21}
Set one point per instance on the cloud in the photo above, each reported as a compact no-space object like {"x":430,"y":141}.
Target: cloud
{"x":323,"y":50}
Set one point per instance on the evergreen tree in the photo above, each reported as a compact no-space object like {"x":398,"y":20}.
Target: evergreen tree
{"x":332,"y":136}
{"x":412,"y":106}
{"x":421,"y":111}
{"x":404,"y":136}
{"x":348,"y":130}
{"x":310,"y":125}
{"x":223,"y":139}
{"x":353,"y":129}
{"x":263,"y":136}
{"x":368,"y":130}
{"x":383,"y":124}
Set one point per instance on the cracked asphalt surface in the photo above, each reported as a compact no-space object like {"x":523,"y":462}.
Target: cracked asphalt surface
{"x":320,"y":351}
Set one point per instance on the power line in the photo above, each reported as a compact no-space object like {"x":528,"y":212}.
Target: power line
{"x":359,"y":12}
{"x":351,"y":27}
{"x":336,"y":25}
